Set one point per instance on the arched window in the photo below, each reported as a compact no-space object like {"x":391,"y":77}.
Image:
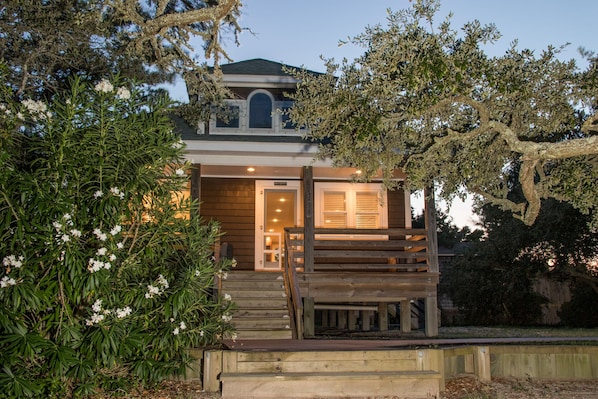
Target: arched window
{"x":260,"y":111}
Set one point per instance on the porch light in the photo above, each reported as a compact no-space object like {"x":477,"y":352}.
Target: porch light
{"x":251,"y":169}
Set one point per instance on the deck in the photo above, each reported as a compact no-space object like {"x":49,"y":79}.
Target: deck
{"x":360,"y":270}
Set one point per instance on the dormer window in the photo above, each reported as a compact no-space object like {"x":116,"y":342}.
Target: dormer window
{"x":260,"y":111}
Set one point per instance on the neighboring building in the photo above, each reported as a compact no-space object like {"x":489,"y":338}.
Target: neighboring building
{"x":255,"y":174}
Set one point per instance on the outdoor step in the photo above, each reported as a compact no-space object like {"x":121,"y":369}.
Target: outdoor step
{"x":260,"y":322}
{"x":251,"y":293}
{"x":254,"y":276}
{"x":261,"y":312}
{"x":254,"y":284}
{"x":265,"y":334}
{"x":405,"y":384}
{"x":260,"y":303}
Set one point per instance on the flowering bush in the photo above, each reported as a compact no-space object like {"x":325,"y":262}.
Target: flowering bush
{"x":102,"y":282}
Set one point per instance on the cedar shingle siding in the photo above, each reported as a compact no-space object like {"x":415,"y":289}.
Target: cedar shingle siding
{"x":232,"y":203}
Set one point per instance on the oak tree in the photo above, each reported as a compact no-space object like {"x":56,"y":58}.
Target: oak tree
{"x":46,"y":42}
{"x":429,"y":100}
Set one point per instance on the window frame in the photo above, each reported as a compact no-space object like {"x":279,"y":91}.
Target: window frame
{"x":350,"y":190}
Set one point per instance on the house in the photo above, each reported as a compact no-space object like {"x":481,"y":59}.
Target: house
{"x":348,"y":248}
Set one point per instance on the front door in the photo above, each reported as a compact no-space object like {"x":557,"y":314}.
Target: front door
{"x":277,"y":207}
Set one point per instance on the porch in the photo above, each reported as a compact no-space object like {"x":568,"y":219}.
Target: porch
{"x":350,"y":273}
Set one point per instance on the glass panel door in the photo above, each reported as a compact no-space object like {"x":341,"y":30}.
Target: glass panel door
{"x":276,"y":208}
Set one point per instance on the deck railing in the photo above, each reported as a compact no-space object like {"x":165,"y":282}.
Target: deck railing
{"x":357,"y":265}
{"x":293,"y":248}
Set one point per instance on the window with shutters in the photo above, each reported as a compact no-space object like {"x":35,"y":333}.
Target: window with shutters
{"x":346,"y":205}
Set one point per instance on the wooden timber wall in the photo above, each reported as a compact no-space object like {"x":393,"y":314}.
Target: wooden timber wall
{"x":232,"y":203}
{"x":558,"y":362}
{"x":523,"y":361}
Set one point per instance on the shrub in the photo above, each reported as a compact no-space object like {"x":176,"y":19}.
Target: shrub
{"x":105,"y":279}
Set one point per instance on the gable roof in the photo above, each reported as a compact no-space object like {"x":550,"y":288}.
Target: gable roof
{"x":257,"y":66}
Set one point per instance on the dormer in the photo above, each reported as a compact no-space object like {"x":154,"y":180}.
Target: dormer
{"x":259,"y":100}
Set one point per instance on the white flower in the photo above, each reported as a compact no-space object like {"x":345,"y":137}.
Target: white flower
{"x":97,"y":306}
{"x":227,"y":297}
{"x":116,"y":192}
{"x":123,"y":93}
{"x":175,"y":331}
{"x":101,"y":251}
{"x":179,"y":172}
{"x":112,"y":257}
{"x":95,"y":318}
{"x":20,"y":116}
{"x":36,"y":109}
{"x":95,"y":265}
{"x":7,"y":282}
{"x":201,"y":333}
{"x":162,"y":281}
{"x":183,"y":326}
{"x":12,"y":260}
{"x":115,"y":230}
{"x":152,"y":291}
{"x":124,"y":312}
{"x":226,"y":317}
{"x":75,"y":233}
{"x":67,"y":216}
{"x":197,"y":273}
{"x":120,"y":245}
{"x":98,"y":194}
{"x":57,"y":225}
{"x":65,"y":238}
{"x":107,"y":265}
{"x":101,"y":236}
{"x":104,"y":86}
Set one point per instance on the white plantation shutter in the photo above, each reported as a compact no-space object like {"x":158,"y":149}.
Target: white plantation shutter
{"x":335,"y":209}
{"x":367,"y":210}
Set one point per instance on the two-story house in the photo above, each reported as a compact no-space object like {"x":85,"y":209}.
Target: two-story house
{"x":349,"y":246}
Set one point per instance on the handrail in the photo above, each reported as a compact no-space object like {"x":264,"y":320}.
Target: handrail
{"x":292,"y":287}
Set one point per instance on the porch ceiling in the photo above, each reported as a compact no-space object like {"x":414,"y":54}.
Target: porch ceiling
{"x":279,"y":172}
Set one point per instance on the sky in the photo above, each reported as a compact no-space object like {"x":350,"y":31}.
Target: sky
{"x":300,"y":32}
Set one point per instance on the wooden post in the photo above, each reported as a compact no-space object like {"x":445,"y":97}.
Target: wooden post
{"x":308,"y":218}
{"x":212,"y":370}
{"x":365,"y":320}
{"x":405,"y":315}
{"x":431,"y":316}
{"x":481,"y":361}
{"x":383,"y":316}
{"x":430,"y":224}
{"x":309,"y":316}
{"x":352,"y":320}
{"x":308,"y":247}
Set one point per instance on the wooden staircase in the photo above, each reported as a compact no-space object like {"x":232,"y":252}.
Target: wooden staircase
{"x":410,"y":374}
{"x":261,"y":310}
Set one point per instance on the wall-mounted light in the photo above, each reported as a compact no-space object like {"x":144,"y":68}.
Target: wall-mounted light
{"x":251,"y":169}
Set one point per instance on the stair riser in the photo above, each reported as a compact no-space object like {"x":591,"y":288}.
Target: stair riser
{"x":348,"y":387}
{"x":264,"y":334}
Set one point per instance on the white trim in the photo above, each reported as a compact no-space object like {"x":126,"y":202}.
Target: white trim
{"x":352,"y":188}
{"x":260,"y":187}
{"x":265,"y":81}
